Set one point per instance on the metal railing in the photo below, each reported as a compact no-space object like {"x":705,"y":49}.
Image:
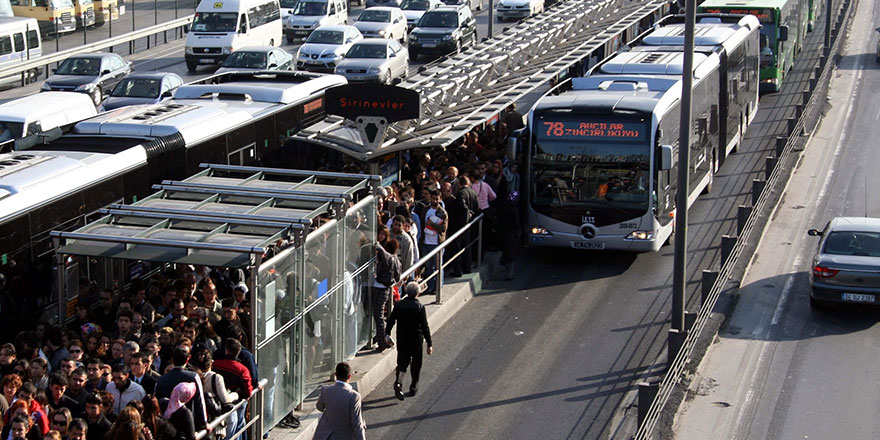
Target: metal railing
{"x":436,"y":255}
{"x":44,"y":61}
{"x":732,"y":248}
{"x":213,"y":424}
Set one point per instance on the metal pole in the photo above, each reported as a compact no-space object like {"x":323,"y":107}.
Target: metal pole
{"x":155,"y":11}
{"x":679,"y":273}
{"x":828,"y":25}
{"x":85,"y":33}
{"x":55,"y":21}
{"x":175,"y":9}
{"x":479,"y":244}
{"x":492,"y":19}
{"x":438,"y":262}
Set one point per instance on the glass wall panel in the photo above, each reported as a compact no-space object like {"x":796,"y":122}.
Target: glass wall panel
{"x":279,"y":362}
{"x":360,"y":235}
{"x":321,"y":259}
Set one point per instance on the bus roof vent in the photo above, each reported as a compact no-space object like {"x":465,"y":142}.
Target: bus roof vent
{"x":623,"y":86}
{"x":12,"y":163}
{"x":651,"y":58}
{"x":160,"y":112}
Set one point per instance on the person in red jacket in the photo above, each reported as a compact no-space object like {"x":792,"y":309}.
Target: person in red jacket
{"x":26,"y":393}
{"x":236,"y":377}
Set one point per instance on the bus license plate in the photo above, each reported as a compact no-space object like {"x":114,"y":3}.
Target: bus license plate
{"x":588,"y":245}
{"x":857,"y":297}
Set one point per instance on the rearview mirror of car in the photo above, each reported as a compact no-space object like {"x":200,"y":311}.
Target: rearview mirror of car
{"x":814,"y":233}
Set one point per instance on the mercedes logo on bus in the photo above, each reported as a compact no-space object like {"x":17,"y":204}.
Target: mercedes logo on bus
{"x":588,"y":231}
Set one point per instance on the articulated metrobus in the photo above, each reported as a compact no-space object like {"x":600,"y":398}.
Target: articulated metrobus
{"x":783,"y":30}
{"x":236,"y":118}
{"x":599,"y":157}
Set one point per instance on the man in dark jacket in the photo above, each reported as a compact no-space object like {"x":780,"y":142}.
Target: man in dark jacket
{"x":98,"y":423}
{"x":412,"y":332}
{"x":469,"y":198}
{"x":458,"y":217}
{"x":387,"y":273}
{"x":141,"y":373}
{"x":179,"y":374}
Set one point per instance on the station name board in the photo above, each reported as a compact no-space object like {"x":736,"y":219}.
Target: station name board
{"x":593,"y":130}
{"x":354,"y":100}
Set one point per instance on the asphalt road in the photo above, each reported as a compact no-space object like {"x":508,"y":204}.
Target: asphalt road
{"x":782,"y":370}
{"x":557,"y":352}
{"x":168,"y":57}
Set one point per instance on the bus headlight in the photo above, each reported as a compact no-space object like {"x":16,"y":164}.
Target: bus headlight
{"x":189,"y":50}
{"x":537,"y":230}
{"x":640,"y":235}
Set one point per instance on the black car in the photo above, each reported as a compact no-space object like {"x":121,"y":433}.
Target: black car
{"x":95,"y":74}
{"x":443,"y":30}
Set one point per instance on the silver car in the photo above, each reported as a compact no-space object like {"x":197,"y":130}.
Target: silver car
{"x":846,"y":267}
{"x":257,"y":58}
{"x":375,"y":60}
{"x":383,"y":22}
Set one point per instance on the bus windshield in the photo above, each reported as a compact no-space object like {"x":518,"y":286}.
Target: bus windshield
{"x":590,"y":163}
{"x":61,"y":4}
{"x":214,"y":21}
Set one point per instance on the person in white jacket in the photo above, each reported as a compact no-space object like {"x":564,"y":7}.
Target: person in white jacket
{"x":123,"y":389}
{"x":213,"y":383}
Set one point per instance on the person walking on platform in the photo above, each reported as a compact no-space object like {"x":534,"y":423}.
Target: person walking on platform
{"x":412,"y":332}
{"x":341,"y":408}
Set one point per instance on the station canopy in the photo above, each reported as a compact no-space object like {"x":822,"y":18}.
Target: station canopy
{"x":223,"y":216}
{"x":470,"y":88}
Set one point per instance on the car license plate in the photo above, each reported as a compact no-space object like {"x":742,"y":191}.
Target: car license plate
{"x":857,"y":297}
{"x":429,"y":45}
{"x":303,"y":33}
{"x":206,"y":60}
{"x":356,"y":78}
{"x":596,"y":245}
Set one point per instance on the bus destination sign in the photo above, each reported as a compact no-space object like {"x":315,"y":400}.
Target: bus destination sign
{"x":593,"y":130}
{"x":763,"y":15}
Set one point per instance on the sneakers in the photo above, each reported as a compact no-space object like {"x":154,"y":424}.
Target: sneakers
{"x":398,"y":390}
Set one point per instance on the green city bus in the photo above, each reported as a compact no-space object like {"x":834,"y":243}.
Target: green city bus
{"x":783,"y":29}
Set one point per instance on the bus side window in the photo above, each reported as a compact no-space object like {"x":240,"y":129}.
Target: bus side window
{"x":5,"y":45}
{"x":18,"y":40}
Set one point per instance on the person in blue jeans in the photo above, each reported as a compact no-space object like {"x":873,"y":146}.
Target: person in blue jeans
{"x":435,"y":222}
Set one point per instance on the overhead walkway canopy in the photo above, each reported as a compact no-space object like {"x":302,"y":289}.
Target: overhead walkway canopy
{"x":469,"y":88}
{"x":304,"y":239}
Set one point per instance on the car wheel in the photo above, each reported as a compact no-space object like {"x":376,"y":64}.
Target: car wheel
{"x":404,"y":38}
{"x":191,"y":67}
{"x":405,"y":71}
{"x":458,"y":46}
{"x":816,"y":304}
{"x":388,"y":78}
{"x":97,"y":96}
{"x":473,"y":40}
{"x":272,"y":42}
{"x":413,"y":55}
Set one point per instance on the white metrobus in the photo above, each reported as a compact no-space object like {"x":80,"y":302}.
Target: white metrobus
{"x":220,"y":27}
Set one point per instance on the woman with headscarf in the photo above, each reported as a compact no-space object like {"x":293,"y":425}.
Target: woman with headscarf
{"x":178,"y":414}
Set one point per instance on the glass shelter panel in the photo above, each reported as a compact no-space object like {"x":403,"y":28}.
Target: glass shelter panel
{"x":360,"y":235}
{"x":321,"y":318}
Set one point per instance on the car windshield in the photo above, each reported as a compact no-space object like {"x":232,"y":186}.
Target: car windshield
{"x":415,"y":5}
{"x":289,"y":4}
{"x":10,"y":130}
{"x":251,"y":60}
{"x":325,"y":37}
{"x":214,"y":21}
{"x":367,"y":51}
{"x":378,"y":16}
{"x":80,"y":66}
{"x":857,"y":243}
{"x":310,"y":8}
{"x":138,"y":88}
{"x":439,"y":20}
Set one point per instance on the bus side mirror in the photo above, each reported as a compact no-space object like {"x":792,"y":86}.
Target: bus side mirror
{"x":665,"y":157}
{"x":783,"y":33}
{"x":514,"y":142}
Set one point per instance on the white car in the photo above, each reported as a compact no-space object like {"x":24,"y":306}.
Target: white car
{"x":326,"y":47}
{"x":414,"y":9}
{"x":518,"y":9}
{"x":382,"y":22}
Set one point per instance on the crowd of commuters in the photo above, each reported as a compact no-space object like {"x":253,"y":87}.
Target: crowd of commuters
{"x":157,"y":363}
{"x":439,"y":193}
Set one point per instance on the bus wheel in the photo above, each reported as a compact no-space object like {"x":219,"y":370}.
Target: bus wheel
{"x":671,"y":239}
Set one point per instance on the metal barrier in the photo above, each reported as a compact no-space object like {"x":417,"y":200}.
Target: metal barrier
{"x":437,"y":255}
{"x":734,"y":247}
{"x":44,"y":61}
{"x":213,"y":424}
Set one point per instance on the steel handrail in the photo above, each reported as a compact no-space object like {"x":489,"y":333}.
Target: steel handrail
{"x":427,"y":257}
{"x":55,"y":57}
{"x":213,"y":424}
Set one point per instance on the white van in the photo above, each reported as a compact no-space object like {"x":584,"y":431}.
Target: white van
{"x":19,"y":42}
{"x":221,"y":27}
{"x":308,"y":15}
{"x":41,"y":112}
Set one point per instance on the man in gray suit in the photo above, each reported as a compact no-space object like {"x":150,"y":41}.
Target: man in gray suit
{"x":341,"y":405}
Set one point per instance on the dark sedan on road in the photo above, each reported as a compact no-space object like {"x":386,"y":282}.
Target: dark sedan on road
{"x":846,"y":267}
{"x":95,"y":74}
{"x":142,"y":88}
